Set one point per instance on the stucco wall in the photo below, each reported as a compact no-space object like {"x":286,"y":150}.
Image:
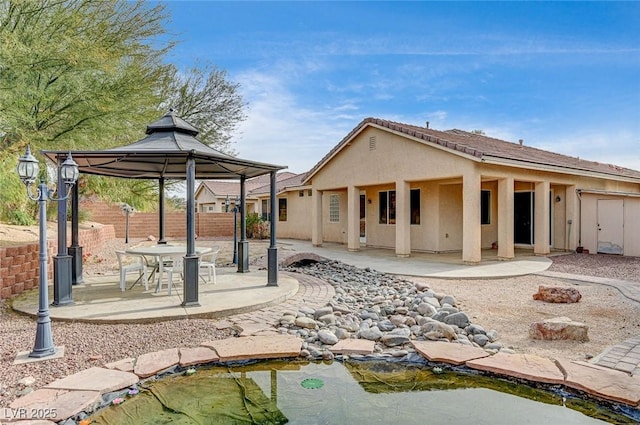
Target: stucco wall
{"x":589,"y":219}
{"x":298,"y":223}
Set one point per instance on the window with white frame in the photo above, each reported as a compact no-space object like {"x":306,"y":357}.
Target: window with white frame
{"x":282,"y":209}
{"x":387,"y":203}
{"x":334,"y":208}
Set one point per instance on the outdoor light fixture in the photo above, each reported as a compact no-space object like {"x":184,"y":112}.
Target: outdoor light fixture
{"x":28,"y":169}
{"x":127,"y":210}
{"x":558,"y":198}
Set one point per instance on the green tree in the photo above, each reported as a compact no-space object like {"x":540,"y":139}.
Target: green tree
{"x":204,"y":97}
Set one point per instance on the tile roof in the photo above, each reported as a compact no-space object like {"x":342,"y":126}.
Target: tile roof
{"x":232,"y":187}
{"x":484,"y":148}
{"x":281,"y":185}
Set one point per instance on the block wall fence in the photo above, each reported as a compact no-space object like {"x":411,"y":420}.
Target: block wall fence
{"x":143,"y":224}
{"x":20,"y":264}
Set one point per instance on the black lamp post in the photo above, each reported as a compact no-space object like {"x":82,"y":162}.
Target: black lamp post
{"x":236,"y":208}
{"x":28,"y":170}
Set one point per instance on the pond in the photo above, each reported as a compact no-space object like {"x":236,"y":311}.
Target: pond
{"x":353,"y":392}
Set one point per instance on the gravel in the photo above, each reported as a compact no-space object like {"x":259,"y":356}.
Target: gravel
{"x":503,"y":304}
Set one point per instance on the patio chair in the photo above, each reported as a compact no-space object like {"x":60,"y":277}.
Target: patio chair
{"x":170,"y":264}
{"x":208,"y":263}
{"x":138,"y":265}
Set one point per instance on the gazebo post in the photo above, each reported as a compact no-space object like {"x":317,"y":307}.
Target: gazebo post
{"x":191,"y":259}
{"x":161,"y":235}
{"x":75,"y":250}
{"x":62,"y":260}
{"x":243,"y":245}
{"x":272,"y":252}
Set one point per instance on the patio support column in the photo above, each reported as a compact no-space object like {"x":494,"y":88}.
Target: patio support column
{"x":541,"y":227}
{"x":471,"y":234}
{"x":403,"y":219}
{"x":506,"y":249}
{"x":572,"y":217}
{"x":75,"y":250}
{"x":353,"y":218}
{"x":191,"y":259}
{"x":62,"y":261}
{"x":316,"y":217}
{"x":272,"y":252}
{"x":161,"y":234}
{"x":243,"y":245}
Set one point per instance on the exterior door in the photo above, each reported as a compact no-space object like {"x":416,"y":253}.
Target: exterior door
{"x":523,"y":218}
{"x":611,"y":226}
{"x":363,"y":217}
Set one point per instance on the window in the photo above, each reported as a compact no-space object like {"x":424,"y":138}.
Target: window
{"x":210,"y":208}
{"x":485,"y":207}
{"x":387,"y":204}
{"x":334,"y":208}
{"x":309,"y":192}
{"x":301,"y":193}
{"x":415,"y":206}
{"x":265,"y":210}
{"x":282,"y":209}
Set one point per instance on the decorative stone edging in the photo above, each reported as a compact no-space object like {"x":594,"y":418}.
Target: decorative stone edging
{"x":84,"y":391}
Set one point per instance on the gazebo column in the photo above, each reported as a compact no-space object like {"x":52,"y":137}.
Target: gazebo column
{"x":353,"y":218}
{"x":191,"y":260}
{"x":272,"y":252}
{"x":161,"y":236}
{"x":505,"y":218}
{"x":541,"y":227}
{"x":75,"y":250}
{"x":243,"y":245}
{"x":62,"y":261}
{"x":316,"y":217}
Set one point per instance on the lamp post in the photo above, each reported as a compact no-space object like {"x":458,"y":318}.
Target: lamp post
{"x":127,"y":210}
{"x":236,"y":208}
{"x":28,"y":170}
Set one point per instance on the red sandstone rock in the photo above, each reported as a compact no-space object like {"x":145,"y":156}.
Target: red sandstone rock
{"x":557,"y":294}
{"x":559,"y":328}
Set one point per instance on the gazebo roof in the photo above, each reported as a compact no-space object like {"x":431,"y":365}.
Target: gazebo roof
{"x":163,"y":153}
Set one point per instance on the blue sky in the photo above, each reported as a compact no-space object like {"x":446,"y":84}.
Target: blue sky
{"x":562,"y":76}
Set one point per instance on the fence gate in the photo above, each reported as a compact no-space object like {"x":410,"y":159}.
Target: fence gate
{"x":611,"y":226}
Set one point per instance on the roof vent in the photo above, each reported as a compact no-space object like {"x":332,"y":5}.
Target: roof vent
{"x":372,"y":143}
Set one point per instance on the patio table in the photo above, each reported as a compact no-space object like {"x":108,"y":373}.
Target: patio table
{"x":159,"y":252}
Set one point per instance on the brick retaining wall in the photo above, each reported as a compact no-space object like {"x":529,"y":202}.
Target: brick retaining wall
{"x":20,"y":264}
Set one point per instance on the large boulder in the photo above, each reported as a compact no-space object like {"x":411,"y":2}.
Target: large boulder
{"x":559,"y":328}
{"x":557,"y":294}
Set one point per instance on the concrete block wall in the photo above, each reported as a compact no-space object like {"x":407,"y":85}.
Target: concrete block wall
{"x":20,"y":264}
{"x":142,"y":225}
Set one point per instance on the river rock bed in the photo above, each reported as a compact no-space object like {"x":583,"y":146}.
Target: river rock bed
{"x":380,"y":307}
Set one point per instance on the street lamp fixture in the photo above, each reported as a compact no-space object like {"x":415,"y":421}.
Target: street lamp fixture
{"x":28,"y":169}
{"x":127,"y":210}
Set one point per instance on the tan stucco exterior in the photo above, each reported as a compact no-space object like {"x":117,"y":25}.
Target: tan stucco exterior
{"x":376,"y":160}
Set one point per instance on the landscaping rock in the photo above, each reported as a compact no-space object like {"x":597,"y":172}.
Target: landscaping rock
{"x":557,"y":294}
{"x":559,"y":328}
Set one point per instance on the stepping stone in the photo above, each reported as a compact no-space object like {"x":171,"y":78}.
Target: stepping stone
{"x":448,"y":352}
{"x":125,"y":365}
{"x":524,"y":366}
{"x":95,"y":379}
{"x":152,"y":363}
{"x":248,"y":329}
{"x":61,"y":404}
{"x":353,"y":346}
{"x":197,"y":355}
{"x":601,"y":381}
{"x":256,"y":347}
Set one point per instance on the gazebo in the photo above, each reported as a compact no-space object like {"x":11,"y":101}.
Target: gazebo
{"x":169,"y":151}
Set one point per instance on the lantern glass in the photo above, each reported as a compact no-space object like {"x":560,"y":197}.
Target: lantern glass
{"x":69,"y":170}
{"x":28,"y":167}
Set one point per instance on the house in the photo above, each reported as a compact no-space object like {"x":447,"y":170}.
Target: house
{"x":412,"y":189}
{"x":211,"y":195}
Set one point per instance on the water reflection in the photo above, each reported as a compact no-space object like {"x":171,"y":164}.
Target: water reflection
{"x":351,"y":393}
